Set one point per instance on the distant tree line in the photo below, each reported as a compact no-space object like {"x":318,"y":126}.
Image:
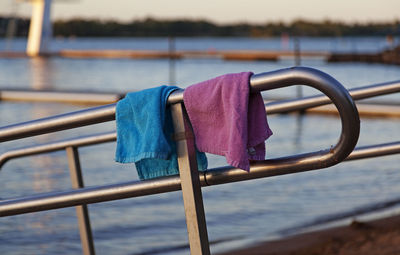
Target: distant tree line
{"x":151,"y":27}
{"x":21,"y":26}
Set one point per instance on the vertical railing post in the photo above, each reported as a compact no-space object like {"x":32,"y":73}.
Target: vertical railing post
{"x":81,"y":210}
{"x":190,"y":182}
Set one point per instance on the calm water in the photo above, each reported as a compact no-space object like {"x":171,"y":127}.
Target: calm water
{"x":237,"y":214}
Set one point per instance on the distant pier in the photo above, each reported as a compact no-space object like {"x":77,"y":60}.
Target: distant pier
{"x":245,"y":55}
{"x":391,"y":56}
{"x":370,"y":109}
{"x":385,"y":57}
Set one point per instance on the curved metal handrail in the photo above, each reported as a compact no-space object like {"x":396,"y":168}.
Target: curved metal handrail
{"x":308,"y":161}
{"x":265,"y":81}
{"x":282,"y":106}
{"x":95,"y":115}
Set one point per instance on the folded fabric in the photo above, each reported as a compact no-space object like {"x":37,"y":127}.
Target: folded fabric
{"x":227,"y":120}
{"x":144,"y":133}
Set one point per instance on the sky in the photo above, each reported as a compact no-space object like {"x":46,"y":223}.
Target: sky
{"x":219,"y":11}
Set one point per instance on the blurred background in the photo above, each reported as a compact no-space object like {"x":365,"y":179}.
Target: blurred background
{"x":93,"y":46}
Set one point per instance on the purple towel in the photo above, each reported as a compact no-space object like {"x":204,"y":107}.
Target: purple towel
{"x":227,"y":120}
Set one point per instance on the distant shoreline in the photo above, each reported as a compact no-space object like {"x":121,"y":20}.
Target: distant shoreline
{"x":152,"y":27}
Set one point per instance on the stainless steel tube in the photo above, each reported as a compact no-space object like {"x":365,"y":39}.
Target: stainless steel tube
{"x":59,"y":96}
{"x":57,"y":123}
{"x":57,"y":200}
{"x":190,"y":183}
{"x":82,"y":212}
{"x":375,"y":150}
{"x":56,"y":146}
{"x":289,"y":105}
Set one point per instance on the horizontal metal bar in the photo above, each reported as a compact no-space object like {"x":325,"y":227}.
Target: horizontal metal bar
{"x":56,"y":146}
{"x":108,"y":98}
{"x":375,"y":150}
{"x":89,"y":195}
{"x":59,"y":96}
{"x":281,"y":166}
{"x":105,"y":193}
{"x":59,"y":122}
{"x":289,"y":105}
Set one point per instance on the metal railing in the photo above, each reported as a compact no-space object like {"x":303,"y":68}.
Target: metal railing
{"x":189,"y":181}
{"x":282,"y":106}
{"x":107,"y":112}
{"x":319,"y":100}
{"x":59,"y":96}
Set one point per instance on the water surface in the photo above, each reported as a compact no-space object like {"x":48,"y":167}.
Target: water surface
{"x":237,"y":214}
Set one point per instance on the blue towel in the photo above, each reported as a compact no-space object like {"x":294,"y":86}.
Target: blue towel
{"x":144,"y":133}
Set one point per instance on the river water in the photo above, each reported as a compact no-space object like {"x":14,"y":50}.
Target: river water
{"x":237,"y":214}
